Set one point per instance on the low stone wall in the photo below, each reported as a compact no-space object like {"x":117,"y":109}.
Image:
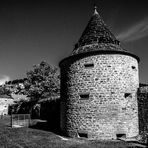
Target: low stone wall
{"x":143,"y":110}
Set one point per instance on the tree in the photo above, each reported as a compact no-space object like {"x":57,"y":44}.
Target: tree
{"x":4,"y":91}
{"x":42,"y":82}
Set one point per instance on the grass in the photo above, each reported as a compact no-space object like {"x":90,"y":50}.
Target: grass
{"x":34,"y":138}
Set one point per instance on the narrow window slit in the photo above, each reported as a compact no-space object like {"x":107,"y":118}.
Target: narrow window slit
{"x":84,"y":96}
{"x":127,"y":95}
{"x":120,"y":136}
{"x":89,"y":65}
{"x":133,"y":67}
{"x":84,"y":135}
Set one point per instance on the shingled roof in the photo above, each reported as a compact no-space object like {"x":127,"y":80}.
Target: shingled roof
{"x":98,"y":35}
{"x":96,"y":39}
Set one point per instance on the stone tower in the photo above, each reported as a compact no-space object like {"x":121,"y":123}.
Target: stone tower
{"x":99,"y":82}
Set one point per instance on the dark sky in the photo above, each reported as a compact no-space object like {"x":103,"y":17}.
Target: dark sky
{"x":32,"y":31}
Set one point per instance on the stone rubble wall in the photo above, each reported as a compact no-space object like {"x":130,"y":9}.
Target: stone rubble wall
{"x":143,"y":109}
{"x":99,"y":96}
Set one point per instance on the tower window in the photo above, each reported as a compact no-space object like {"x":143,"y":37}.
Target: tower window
{"x":120,"y":136}
{"x":84,"y":96}
{"x":89,"y":65}
{"x":127,"y":95}
{"x":133,"y":67}
{"x":85,"y":135}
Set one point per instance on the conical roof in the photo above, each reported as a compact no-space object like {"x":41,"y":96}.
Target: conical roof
{"x":96,"y":39}
{"x":96,"y":33}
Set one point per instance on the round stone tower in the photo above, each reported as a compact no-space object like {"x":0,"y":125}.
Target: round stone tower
{"x":99,"y":84}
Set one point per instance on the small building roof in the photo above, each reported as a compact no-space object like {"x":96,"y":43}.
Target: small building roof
{"x":51,"y":98}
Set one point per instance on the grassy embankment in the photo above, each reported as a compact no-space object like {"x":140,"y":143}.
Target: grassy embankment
{"x":34,"y":138}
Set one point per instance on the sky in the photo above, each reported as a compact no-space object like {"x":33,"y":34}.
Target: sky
{"x":35,"y":30}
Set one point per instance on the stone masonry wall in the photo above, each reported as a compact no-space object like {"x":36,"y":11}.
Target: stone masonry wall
{"x":100,"y":97}
{"x":143,"y":109}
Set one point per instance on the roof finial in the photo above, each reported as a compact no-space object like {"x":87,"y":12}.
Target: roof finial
{"x":95,"y":9}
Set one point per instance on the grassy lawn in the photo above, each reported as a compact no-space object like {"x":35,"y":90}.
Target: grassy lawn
{"x":34,"y":138}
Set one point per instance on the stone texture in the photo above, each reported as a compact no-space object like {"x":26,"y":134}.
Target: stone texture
{"x":143,"y":109}
{"x":111,"y":107}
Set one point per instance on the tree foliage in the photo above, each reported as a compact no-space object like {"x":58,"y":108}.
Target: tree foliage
{"x":42,"y":82}
{"x":4,"y":91}
{"x":16,"y":81}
